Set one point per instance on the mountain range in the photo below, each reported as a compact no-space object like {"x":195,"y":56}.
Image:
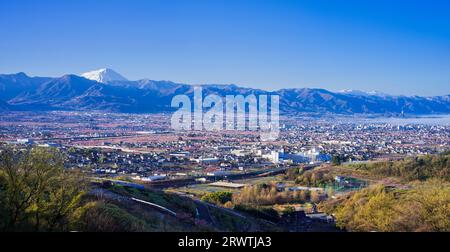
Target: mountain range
{"x":107,"y":90}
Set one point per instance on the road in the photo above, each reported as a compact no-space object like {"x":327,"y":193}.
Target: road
{"x":161,"y":184}
{"x":203,"y":212}
{"x":103,"y":193}
{"x":202,"y":207}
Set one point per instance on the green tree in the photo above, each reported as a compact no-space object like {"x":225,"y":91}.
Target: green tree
{"x":37,"y":193}
{"x":336,"y":160}
{"x":217,"y":197}
{"x":288,"y":210}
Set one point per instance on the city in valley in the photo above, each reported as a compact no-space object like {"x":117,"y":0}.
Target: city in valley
{"x":288,"y":184}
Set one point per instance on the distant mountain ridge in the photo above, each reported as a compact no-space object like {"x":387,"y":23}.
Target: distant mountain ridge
{"x":106,"y":90}
{"x":362,"y":93}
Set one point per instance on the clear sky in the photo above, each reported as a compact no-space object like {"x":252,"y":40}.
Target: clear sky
{"x":398,"y":47}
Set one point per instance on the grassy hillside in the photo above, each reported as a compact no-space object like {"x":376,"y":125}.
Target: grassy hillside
{"x":421,"y":203}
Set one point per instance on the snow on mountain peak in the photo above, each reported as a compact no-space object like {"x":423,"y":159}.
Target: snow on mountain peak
{"x":104,"y":75}
{"x":362,"y":93}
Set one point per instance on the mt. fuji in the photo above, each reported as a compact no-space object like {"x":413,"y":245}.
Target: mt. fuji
{"x":104,"y":75}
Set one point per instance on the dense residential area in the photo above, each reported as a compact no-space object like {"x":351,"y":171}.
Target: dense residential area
{"x":72,"y":171}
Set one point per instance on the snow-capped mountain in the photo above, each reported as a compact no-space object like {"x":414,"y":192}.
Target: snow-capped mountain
{"x":70,"y":92}
{"x":104,"y":75}
{"x":362,"y":93}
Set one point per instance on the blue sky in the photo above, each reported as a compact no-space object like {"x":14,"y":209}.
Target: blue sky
{"x":398,"y":47}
